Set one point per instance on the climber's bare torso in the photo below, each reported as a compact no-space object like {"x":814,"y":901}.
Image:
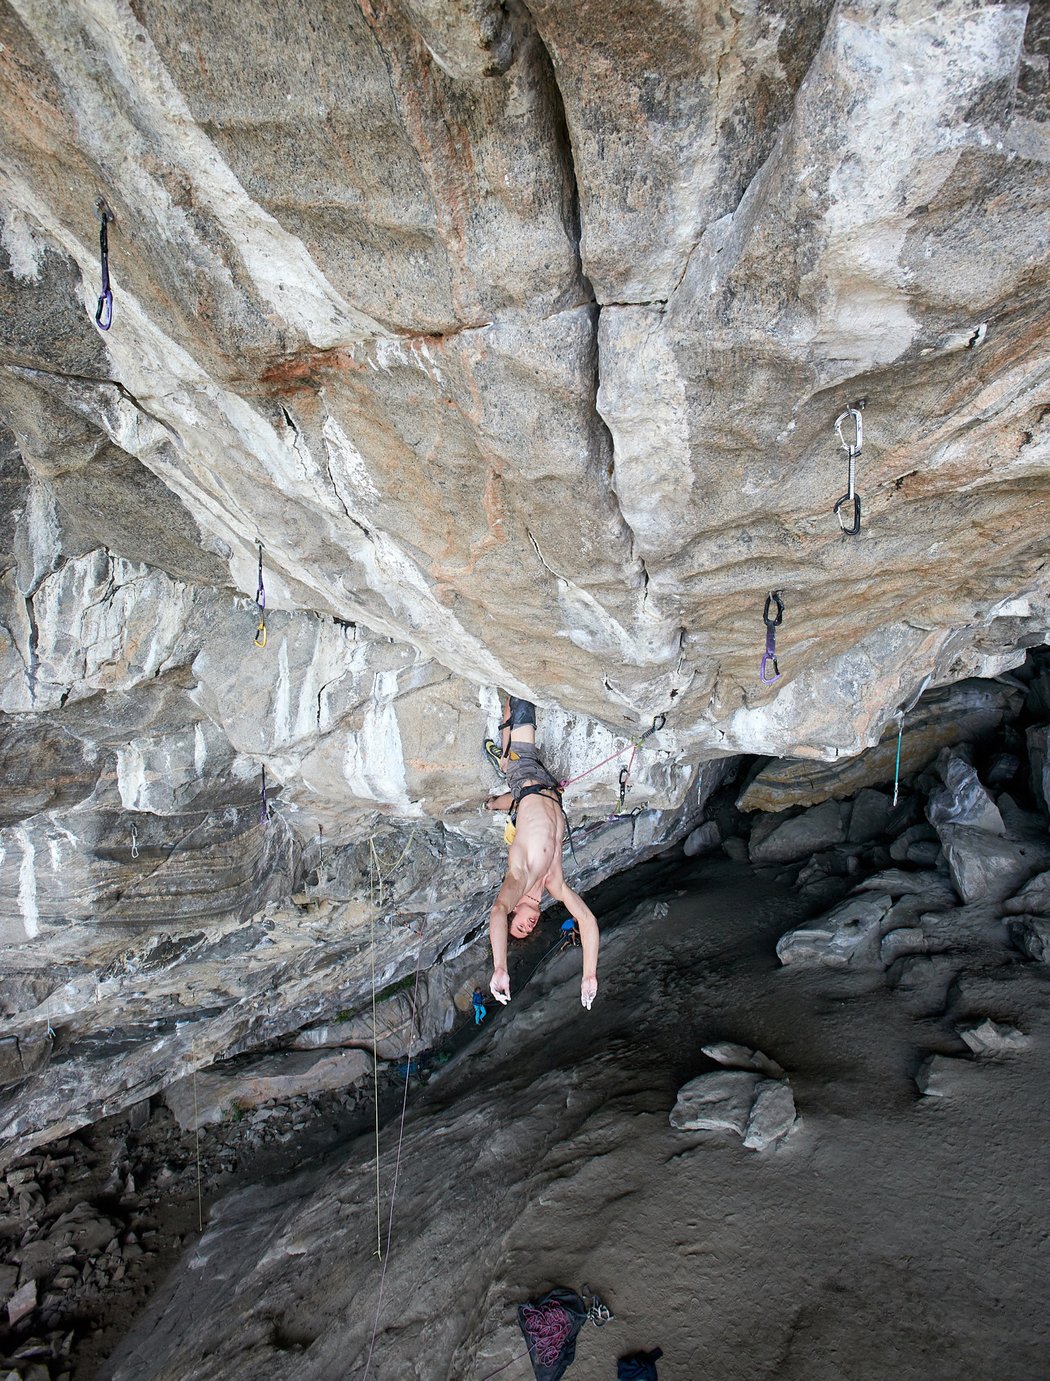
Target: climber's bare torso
{"x":534,"y":861}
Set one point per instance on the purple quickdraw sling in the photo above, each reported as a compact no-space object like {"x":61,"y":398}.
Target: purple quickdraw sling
{"x":772,"y":624}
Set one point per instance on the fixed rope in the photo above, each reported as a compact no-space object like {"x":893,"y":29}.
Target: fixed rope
{"x":900,"y":716}
{"x":197,"y":1136}
{"x":397,"y":1172}
{"x":104,"y":310}
{"x":373,"y":864}
{"x":847,"y":510}
{"x":772,"y":624}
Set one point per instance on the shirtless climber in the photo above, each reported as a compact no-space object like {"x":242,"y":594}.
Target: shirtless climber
{"x":534,"y":860}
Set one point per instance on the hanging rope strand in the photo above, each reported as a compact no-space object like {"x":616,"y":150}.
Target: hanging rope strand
{"x":373,"y":864}
{"x":397,"y":1171}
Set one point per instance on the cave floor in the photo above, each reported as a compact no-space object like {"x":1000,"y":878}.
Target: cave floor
{"x":892,"y":1235}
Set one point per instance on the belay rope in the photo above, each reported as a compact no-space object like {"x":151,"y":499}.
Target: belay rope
{"x":625,"y":772}
{"x":104,"y":310}
{"x":772,"y":624}
{"x":260,"y":600}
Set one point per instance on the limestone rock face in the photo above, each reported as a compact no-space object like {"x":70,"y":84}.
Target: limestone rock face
{"x":492,"y":346}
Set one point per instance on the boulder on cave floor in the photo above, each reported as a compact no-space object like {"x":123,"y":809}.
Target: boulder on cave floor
{"x":223,"y":1093}
{"x":988,"y":1040}
{"x":734,"y":1056}
{"x":1031,"y":935}
{"x":787,"y":841}
{"x":963,"y":799}
{"x":850,"y":935}
{"x":941,"y":1076}
{"x":760,"y":1111}
{"x":987,"y":867}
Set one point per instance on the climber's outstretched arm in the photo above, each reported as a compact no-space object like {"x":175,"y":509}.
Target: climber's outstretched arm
{"x":590,"y":936}
{"x":499,"y":924}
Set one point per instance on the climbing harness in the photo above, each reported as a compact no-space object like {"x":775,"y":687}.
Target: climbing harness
{"x":134,"y":842}
{"x":847,"y":510}
{"x":900,"y":715}
{"x":264,"y":805}
{"x":770,"y":654}
{"x":104,"y":310}
{"x":260,"y":600}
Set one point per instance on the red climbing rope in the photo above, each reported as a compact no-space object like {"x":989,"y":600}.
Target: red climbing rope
{"x":658,"y":724}
{"x":546,"y":1328}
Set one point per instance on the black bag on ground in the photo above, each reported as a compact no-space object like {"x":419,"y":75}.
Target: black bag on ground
{"x":640,"y":1366}
{"x":550,"y":1326}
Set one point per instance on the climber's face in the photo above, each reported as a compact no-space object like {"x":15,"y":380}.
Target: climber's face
{"x":523,"y":918}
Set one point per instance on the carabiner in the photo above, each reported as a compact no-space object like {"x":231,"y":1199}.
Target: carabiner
{"x":625,"y":776}
{"x":853,"y":450}
{"x":855,"y":446}
{"x":773,"y":598}
{"x":658,"y":723}
{"x":104,"y":310}
{"x":768,"y":680}
{"x":853,"y":528}
{"x":134,"y":842}
{"x":260,"y":634}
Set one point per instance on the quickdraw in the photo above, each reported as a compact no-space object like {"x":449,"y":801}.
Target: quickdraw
{"x":134,"y":842}
{"x":260,"y":600}
{"x":851,"y":499}
{"x":772,"y":624}
{"x":104,"y":310}
{"x":264,"y":805}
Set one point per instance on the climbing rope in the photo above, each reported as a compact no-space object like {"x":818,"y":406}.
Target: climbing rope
{"x":104,"y":310}
{"x":373,"y":861}
{"x":547,"y":1328}
{"x":397,"y":1173}
{"x":197,"y":1136}
{"x":900,"y":716}
{"x":260,"y":600}
{"x":851,"y":499}
{"x":772,"y":624}
{"x":634,"y":743}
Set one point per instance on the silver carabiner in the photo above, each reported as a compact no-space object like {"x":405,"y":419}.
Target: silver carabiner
{"x":134,"y":842}
{"x":850,"y":525}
